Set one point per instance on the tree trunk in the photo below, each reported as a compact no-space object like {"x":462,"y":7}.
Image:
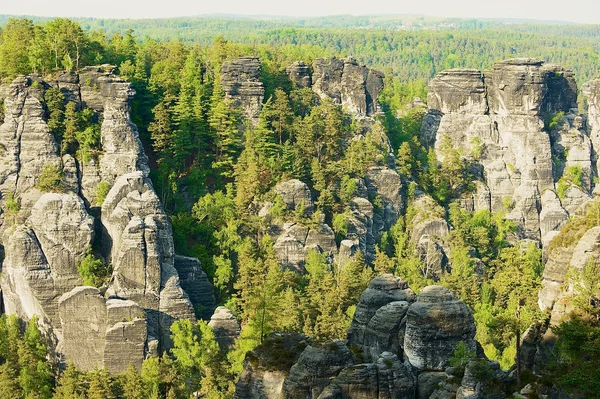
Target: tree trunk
{"x":518,"y":336}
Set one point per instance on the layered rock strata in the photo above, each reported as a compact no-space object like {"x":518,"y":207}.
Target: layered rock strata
{"x":129,"y":317}
{"x":500,"y":120}
{"x":398,"y":346}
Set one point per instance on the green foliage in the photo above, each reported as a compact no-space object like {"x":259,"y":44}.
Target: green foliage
{"x":576,"y":368}
{"x":25,"y":371}
{"x":101,"y":192}
{"x":461,"y":357}
{"x":93,"y":271}
{"x":553,"y":121}
{"x":577,"y":226}
{"x":51,"y":179}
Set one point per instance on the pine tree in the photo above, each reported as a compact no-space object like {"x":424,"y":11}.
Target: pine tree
{"x":70,"y":384}
{"x":133,"y":385}
{"x":100,"y":385}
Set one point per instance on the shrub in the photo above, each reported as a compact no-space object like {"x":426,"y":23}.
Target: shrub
{"x":340,"y":225}
{"x":51,"y":179}
{"x":461,"y":357}
{"x":101,"y":192}
{"x":12,"y":204}
{"x":93,"y":272}
{"x":553,"y":121}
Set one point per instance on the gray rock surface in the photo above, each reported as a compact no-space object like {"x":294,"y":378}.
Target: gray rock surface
{"x":45,"y":242}
{"x":435,"y":324}
{"x":354,"y":87}
{"x":42,"y":256}
{"x":240,"y":79}
{"x":100,"y":333}
{"x":266,"y":367}
{"x":377,"y":325}
{"x":295,"y":193}
{"x":300,"y":73}
{"x":315,"y":367}
{"x":505,"y":109}
{"x":225,"y":326}
{"x":196,"y":285}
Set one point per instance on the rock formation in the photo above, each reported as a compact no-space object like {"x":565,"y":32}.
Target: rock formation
{"x":51,"y":233}
{"x":506,"y":111}
{"x":240,"y":79}
{"x":398,"y":347}
{"x":225,"y":326}
{"x":353,"y":86}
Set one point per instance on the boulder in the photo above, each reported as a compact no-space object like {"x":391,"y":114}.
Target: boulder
{"x":435,"y":324}
{"x":225,"y":326}
{"x":315,"y":368}
{"x":386,"y":296}
{"x":294,"y":193}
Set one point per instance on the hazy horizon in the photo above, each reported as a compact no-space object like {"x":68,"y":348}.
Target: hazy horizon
{"x":578,"y":11}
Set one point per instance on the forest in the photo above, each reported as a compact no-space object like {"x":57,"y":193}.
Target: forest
{"x":209,"y":169}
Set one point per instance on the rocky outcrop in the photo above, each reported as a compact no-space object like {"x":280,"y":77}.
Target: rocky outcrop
{"x":98,"y":332}
{"x":295,"y":193}
{"x":242,"y":85}
{"x":142,"y":254}
{"x":300,"y":73}
{"x":379,"y":320}
{"x":47,"y":238}
{"x":504,"y":112}
{"x":396,"y":348}
{"x":348,"y":84}
{"x":196,"y":284}
{"x":435,"y":324}
{"x":27,"y":144}
{"x":311,"y":374}
{"x":42,"y":256}
{"x":570,"y":251}
{"x":225,"y":326}
{"x":266,"y":367}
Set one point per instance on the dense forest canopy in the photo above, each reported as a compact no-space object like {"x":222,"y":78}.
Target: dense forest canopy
{"x":409,"y":46}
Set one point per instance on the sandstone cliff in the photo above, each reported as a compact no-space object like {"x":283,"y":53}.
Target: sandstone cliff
{"x":127,"y":318}
{"x":522,"y":114}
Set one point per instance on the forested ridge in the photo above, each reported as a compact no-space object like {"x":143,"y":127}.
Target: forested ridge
{"x":212,"y":169}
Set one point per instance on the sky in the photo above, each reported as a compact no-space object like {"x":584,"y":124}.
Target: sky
{"x":583,"y":11}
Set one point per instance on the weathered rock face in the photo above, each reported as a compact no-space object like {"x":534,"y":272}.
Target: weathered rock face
{"x":97,"y":332}
{"x":347,"y":83}
{"x":48,"y":237}
{"x":266,"y":367}
{"x":26,"y":139}
{"x":396,"y":348}
{"x":435,"y":324}
{"x":387,"y":378}
{"x":311,"y":374}
{"x":562,"y":258}
{"x":142,"y":254}
{"x":299,"y":73}
{"x":225,"y":326}
{"x":295,"y":193}
{"x":378,"y":323}
{"x":504,"y":111}
{"x":196,"y":284}
{"x":42,"y":256}
{"x":240,"y":79}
